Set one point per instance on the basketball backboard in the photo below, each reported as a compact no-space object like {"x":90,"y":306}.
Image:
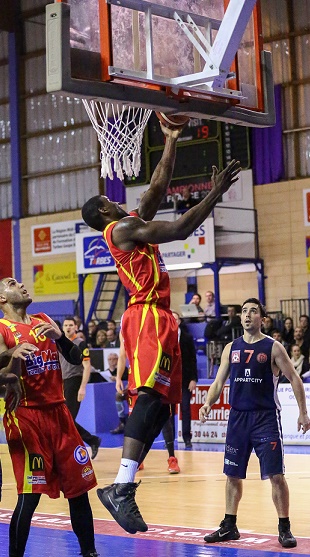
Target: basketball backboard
{"x":204,"y":59}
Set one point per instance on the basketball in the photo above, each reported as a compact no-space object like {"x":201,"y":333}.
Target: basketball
{"x":172,"y":121}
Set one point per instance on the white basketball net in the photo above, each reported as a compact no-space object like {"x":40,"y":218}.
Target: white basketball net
{"x":120,"y":133}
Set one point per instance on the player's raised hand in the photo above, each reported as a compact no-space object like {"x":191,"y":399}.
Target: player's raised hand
{"x":171,"y":132}
{"x":50,"y":330}
{"x":221,"y":181}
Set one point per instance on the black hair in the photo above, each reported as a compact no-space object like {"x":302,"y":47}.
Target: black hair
{"x":91,"y":215}
{"x":258,"y":303}
{"x":196,"y":294}
{"x":69,"y":318}
{"x":306,"y":316}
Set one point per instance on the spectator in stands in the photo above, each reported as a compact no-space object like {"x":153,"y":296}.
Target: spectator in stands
{"x":91,"y":334}
{"x":102,"y":325}
{"x":196,"y":300}
{"x":267,"y":325}
{"x":79,"y":324}
{"x":210,"y":307}
{"x":299,"y":340}
{"x":277,"y":335}
{"x":288,"y":331}
{"x":113,"y":339}
{"x":101,"y":339}
{"x":81,"y":335}
{"x":189,"y":379}
{"x":304,"y":323}
{"x":187,"y":202}
{"x":299,"y":361}
{"x":233,"y":321}
{"x":111,"y":324}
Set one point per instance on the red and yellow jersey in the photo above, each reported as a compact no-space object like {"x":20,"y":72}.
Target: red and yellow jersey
{"x":41,"y":378}
{"x":142,"y":271}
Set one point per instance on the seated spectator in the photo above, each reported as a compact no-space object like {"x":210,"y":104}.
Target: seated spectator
{"x":299,"y":340}
{"x":113,"y":339}
{"x":187,"y":202}
{"x":91,"y":334}
{"x":101,"y":339}
{"x":288,"y":331}
{"x":81,"y":335}
{"x":225,"y":331}
{"x":102,"y":325}
{"x":299,"y":361}
{"x":277,"y":335}
{"x":111,"y":324}
{"x":304,"y":323}
{"x":267,"y":325}
{"x":196,"y":300}
{"x":210,"y":307}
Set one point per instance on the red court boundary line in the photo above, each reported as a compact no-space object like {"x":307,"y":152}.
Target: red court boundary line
{"x":166,"y":533}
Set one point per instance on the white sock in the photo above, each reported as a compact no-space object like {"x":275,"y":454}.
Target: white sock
{"x":127,"y":471}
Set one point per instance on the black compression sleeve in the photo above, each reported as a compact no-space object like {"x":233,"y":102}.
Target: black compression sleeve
{"x":70,"y":351}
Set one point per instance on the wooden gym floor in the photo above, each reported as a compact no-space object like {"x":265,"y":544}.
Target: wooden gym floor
{"x":179,"y":509}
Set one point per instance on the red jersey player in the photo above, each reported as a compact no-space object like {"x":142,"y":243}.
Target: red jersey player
{"x":47,"y":453}
{"x":149,"y":329}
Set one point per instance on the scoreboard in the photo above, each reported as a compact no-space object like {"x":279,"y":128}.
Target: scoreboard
{"x":203,"y":143}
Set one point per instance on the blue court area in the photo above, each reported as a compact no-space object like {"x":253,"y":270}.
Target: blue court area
{"x":54,"y":543}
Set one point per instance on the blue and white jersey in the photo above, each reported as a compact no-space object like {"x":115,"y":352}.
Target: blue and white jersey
{"x":253,"y":386}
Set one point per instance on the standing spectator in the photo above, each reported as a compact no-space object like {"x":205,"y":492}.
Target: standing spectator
{"x":254,"y":419}
{"x":91,"y":334}
{"x":210,"y":307}
{"x":47,"y":453}
{"x":189,"y":379}
{"x":288,"y":331}
{"x":112,"y":339}
{"x":305,"y":325}
{"x":75,"y":378}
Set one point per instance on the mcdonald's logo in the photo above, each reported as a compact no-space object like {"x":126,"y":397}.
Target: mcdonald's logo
{"x":165,"y":362}
{"x":36,"y":462}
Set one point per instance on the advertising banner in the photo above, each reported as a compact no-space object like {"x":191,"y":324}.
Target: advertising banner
{"x":55,"y":238}
{"x":58,"y":278}
{"x":214,"y":430}
{"x":93,"y":256}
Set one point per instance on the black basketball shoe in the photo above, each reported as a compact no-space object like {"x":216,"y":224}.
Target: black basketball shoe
{"x":226,"y":532}
{"x":286,"y":537}
{"x":119,"y":500}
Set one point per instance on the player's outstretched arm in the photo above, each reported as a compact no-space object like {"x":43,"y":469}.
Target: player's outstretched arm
{"x":217,"y":385}
{"x":161,"y":176}
{"x":130,"y":231}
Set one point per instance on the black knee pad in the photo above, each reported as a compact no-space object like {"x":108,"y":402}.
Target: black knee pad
{"x":144,"y":416}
